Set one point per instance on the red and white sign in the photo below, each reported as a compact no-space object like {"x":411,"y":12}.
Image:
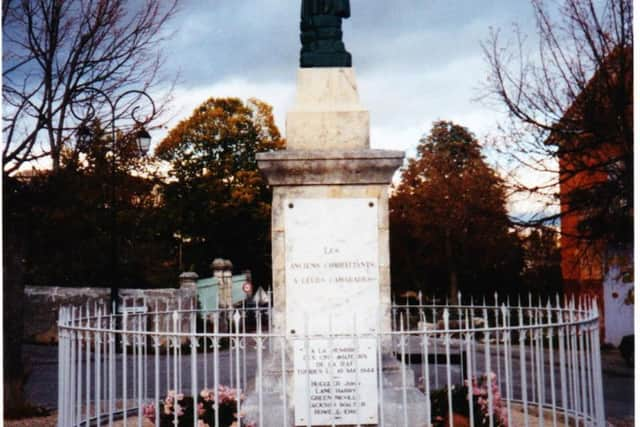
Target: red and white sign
{"x":247,"y":288}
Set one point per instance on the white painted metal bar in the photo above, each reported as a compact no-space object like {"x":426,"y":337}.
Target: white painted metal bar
{"x":487,"y":362}
{"x":461,"y":344}
{"x":332,"y":387}
{"x":259,"y":374}
{"x":138,"y":341}
{"x":394,"y":327}
{"x":61,"y":362}
{"x":156,"y":365}
{"x":552,"y":368}
{"x":112,"y":369}
{"x":435,"y":347}
{"x":87,"y":368}
{"x":145,"y":350}
{"x":72,"y":369}
{"x":243,"y":313}
{"x":205,"y":344}
{"x":78,"y":395}
{"x":231,"y":371}
{"x":307,"y":368}
{"x":563,"y":372}
{"x":523,"y":366}
{"x":583,"y":383}
{"x":270,"y":316}
{"x":176,"y":344}
{"x":589,"y":371}
{"x":216,"y":366}
{"x":447,"y":343}
{"x":125,"y":342}
{"x":379,"y":347}
{"x":194,"y":368}
{"x":496,"y":314}
{"x":425,"y":367}
{"x":134,"y":355}
{"x":507,"y":360}
{"x":403,"y":370}
{"x":470,"y":378}
{"x":236,"y":324}
{"x":179,"y":346}
{"x":356,"y":345}
{"x":98,"y":370}
{"x":574,"y":366}
{"x":539,"y":368}
{"x":600,"y":415}
{"x":105,"y":362}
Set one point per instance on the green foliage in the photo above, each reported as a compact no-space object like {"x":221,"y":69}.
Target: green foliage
{"x":449,"y":225}
{"x":70,"y":219}
{"x":217,"y":203}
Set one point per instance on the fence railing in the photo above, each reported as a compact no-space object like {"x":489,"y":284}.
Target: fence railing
{"x":475,"y":364}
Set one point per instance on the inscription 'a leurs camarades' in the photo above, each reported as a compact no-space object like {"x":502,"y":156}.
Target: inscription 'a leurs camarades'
{"x":317,"y":280}
{"x":339,"y":272}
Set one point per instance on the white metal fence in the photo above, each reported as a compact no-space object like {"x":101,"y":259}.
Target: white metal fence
{"x":477,"y":364}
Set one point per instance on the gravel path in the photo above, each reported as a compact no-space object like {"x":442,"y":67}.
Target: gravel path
{"x":49,"y":421}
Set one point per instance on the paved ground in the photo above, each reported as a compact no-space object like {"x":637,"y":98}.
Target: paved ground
{"x":42,"y":383}
{"x":618,"y":389}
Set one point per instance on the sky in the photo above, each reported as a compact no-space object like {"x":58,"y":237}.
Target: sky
{"x":416,"y":61}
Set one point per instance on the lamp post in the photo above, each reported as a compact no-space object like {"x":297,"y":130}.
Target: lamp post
{"x":143,"y":142}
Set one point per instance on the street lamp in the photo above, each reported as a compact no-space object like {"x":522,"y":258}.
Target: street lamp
{"x":86,"y":137}
{"x":143,"y":139}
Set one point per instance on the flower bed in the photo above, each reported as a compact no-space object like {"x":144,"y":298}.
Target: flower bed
{"x":177,"y":405}
{"x":480,"y":389}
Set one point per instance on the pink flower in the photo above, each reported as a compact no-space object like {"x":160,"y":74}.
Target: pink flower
{"x":149,"y":412}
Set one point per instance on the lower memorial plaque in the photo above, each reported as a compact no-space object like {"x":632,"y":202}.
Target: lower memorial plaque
{"x":332,"y":282}
{"x":335,"y":381}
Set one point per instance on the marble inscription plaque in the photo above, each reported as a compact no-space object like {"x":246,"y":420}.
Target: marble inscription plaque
{"x":335,"y":382}
{"x":331,"y":264}
{"x":332,"y":286}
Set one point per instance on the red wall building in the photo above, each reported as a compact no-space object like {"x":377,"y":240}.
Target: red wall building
{"x":590,"y":159}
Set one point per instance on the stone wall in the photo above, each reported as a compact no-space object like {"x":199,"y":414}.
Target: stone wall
{"x":41,"y":304}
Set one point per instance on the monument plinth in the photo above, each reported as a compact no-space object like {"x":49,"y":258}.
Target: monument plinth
{"x":329,"y":170}
{"x":327,"y":113}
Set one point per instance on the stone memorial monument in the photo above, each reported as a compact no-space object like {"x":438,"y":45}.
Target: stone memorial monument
{"x":330,"y":238}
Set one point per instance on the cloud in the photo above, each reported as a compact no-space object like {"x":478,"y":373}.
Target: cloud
{"x":186,"y":99}
{"x":259,"y":39}
{"x":416,"y":61}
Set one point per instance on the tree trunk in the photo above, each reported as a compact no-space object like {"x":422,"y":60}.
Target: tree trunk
{"x":451,"y":265}
{"x":13,"y":317}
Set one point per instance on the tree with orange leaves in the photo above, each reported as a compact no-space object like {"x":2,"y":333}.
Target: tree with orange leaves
{"x":449,"y":225}
{"x":217,"y":202}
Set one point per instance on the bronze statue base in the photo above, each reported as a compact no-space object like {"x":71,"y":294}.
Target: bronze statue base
{"x":325,"y":60}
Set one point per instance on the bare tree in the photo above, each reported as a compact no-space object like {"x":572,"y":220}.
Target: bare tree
{"x":54,"y":50}
{"x":570,"y":104}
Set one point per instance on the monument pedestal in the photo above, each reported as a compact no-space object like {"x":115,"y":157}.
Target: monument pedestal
{"x":331,"y":278}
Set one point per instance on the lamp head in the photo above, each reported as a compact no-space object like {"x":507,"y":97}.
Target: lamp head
{"x":143,"y":139}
